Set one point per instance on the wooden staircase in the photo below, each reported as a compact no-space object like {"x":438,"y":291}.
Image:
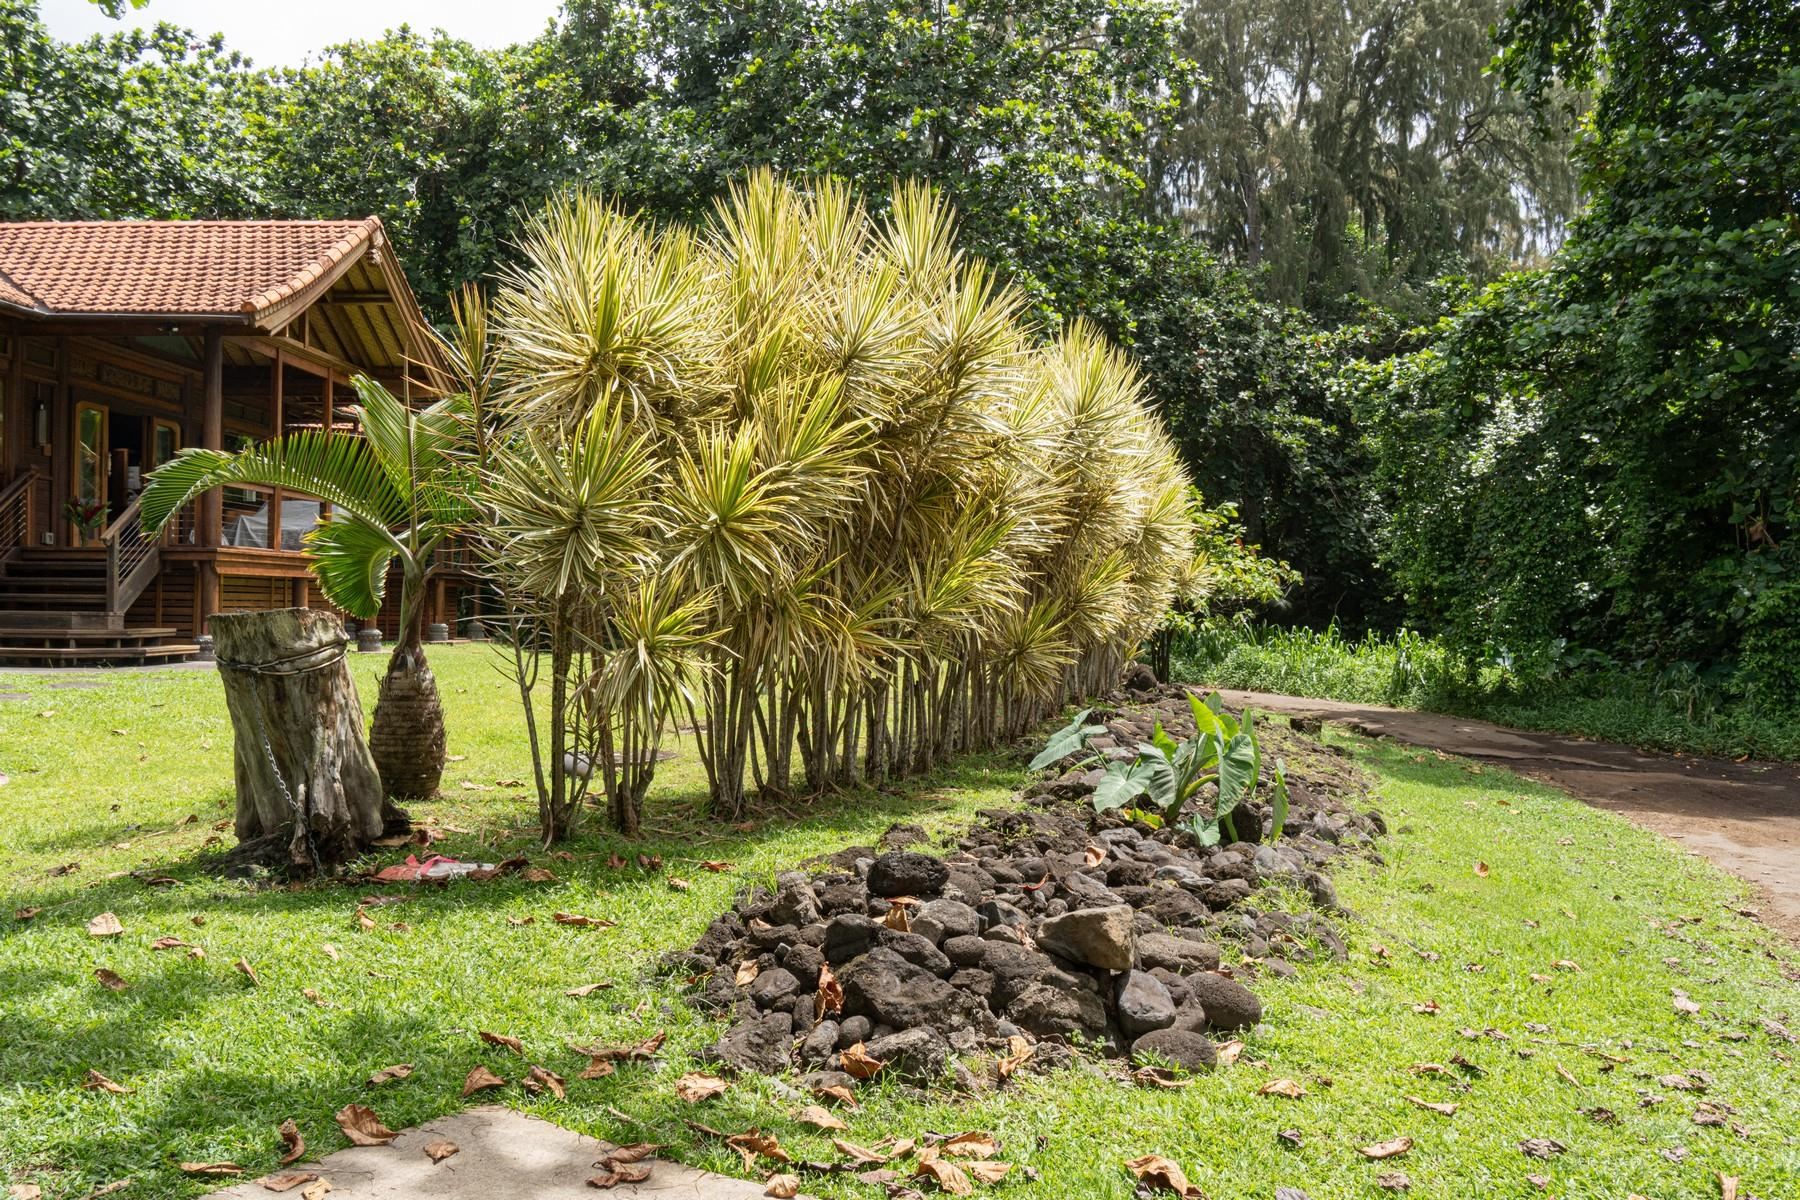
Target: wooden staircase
{"x":66,"y":607}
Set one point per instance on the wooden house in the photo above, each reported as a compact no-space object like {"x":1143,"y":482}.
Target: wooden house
{"x":122,"y":342}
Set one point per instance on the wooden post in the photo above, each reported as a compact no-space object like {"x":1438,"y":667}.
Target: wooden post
{"x":275,"y":497}
{"x":209,"y":511}
{"x":306,"y":781}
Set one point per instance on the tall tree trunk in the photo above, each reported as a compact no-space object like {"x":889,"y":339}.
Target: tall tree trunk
{"x":303,"y":771}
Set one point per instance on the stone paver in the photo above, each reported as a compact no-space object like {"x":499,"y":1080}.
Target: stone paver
{"x":504,"y":1155}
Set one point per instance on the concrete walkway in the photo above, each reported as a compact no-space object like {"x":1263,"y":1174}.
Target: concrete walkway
{"x":1745,"y":816}
{"x":501,"y":1155}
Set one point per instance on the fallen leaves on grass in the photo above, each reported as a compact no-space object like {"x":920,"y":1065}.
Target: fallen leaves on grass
{"x":597,"y":1068}
{"x":754,"y":1142}
{"x":110,"y":979}
{"x":479,"y":1080}
{"x":783,"y":1187}
{"x":242,"y":967}
{"x":24,"y":1191}
{"x":96,"y":1082}
{"x":105,"y":925}
{"x":540,"y":1079}
{"x":838,"y":1092}
{"x":502,"y":1039}
{"x":581,"y":922}
{"x":438,"y":1149}
{"x":1728,"y":1186}
{"x":1430,"y":1008}
{"x":362,"y":1126}
{"x":217,"y":1168}
{"x":816,"y":1115}
{"x":1392,"y":1148}
{"x":971,"y":1145}
{"x":1481,"y":870}
{"x":1448,"y":1110}
{"x":949,"y":1177}
{"x":641,"y":1052}
{"x":678,"y":885}
{"x":389,"y":1074}
{"x":858,"y":1064}
{"x":1162,"y":1174}
{"x":714,"y":865}
{"x":856,"y":1153}
{"x":1393,"y":1181}
{"x":1281,"y":1087}
{"x":587,"y":989}
{"x":286,"y":1181}
{"x":292,"y":1144}
{"x":1683,"y":1004}
{"x":1541,"y":1148}
{"x":25,"y":914}
{"x":167,"y":943}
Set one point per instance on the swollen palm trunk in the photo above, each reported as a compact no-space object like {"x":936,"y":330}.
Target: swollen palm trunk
{"x":407,"y":739}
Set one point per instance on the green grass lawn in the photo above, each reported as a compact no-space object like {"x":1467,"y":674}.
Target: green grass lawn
{"x":108,"y":778}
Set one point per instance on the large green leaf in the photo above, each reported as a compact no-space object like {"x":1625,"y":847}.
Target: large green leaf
{"x":1278,"y":800}
{"x":350,"y":558}
{"x":1067,"y":740}
{"x":1149,"y":775}
{"x":339,"y":469}
{"x":1237,"y":772}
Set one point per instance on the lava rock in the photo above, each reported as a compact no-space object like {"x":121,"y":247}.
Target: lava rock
{"x":849,"y":935}
{"x":852,"y":1030}
{"x":955,"y":918}
{"x":756,"y":1044}
{"x":915,"y":949}
{"x":804,"y":962}
{"x":1143,"y":1003}
{"x":1173,"y":906}
{"x":1099,"y":937}
{"x":917,"y":1055}
{"x":820,"y":1043}
{"x":891,"y":991}
{"x":904,"y":873}
{"x":1051,"y":1011}
{"x":1228,"y":1003}
{"x":774,"y":987}
{"x":1189,"y":1051}
{"x":1176,"y":954}
{"x":1223,"y":893}
{"x":998,"y":912}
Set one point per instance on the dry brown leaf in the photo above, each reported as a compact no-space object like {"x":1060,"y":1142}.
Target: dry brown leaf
{"x":217,"y":1168}
{"x":783,"y":1187}
{"x":540,"y":1079}
{"x":642,"y":1052}
{"x":480,"y":1079}
{"x":987,"y":1172}
{"x":896,"y":919}
{"x":830,"y":996}
{"x":25,"y":914}
{"x":316,"y":1189}
{"x":167,"y":943}
{"x":24,"y":1191}
{"x":1567,"y":964}
{"x":363,"y":920}
{"x":747,"y":972}
{"x":1448,"y":1110}
{"x":613,"y":1173}
{"x":587,"y":989}
{"x":753,"y":1142}
{"x":242,"y":966}
{"x":314,"y":996}
{"x":1481,"y":869}
{"x":861,"y":1154}
{"x":1728,"y":1186}
{"x":96,"y":1082}
{"x":389,"y":1074}
{"x":438,"y":1149}
{"x":1541,"y":1147}
{"x":105,"y":925}
{"x":538,"y":875}
{"x":1162,"y":1174}
{"x":286,"y":1181}
{"x":838,"y":1092}
{"x":119,"y":1185}
{"x":517,"y":921}
{"x":820,"y":1117}
{"x":1281,"y":1087}
{"x":1683,"y":1004}
{"x":362,"y":1126}
{"x":597,"y":1068}
{"x":678,"y":885}
{"x":971,"y":1145}
{"x":857,"y":1063}
{"x":1393,"y":1181}
{"x":292,"y":1144}
{"x":1018,"y":1053}
{"x":1567,"y":1075}
{"x":949,"y":1177}
{"x":1392,"y":1148}
{"x":696,"y":1086}
{"x":714,"y":865}
{"x":1229,"y":1052}
{"x":110,"y":979}
{"x":502,"y":1039}
{"x":581,"y":922}
{"x":1430,"y":1008}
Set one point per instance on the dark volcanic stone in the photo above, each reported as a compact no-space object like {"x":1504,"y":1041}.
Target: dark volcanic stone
{"x":1223,"y":893}
{"x":918,"y":1055}
{"x":1228,"y":1003}
{"x":758,"y":1044}
{"x":849,"y":935}
{"x":891,"y":991}
{"x":1144,"y":1003}
{"x":773,"y":987}
{"x":795,"y":903}
{"x":974,"y":981}
{"x":1189,"y":1051}
{"x":1322,"y":890}
{"x":1016,"y":968}
{"x":914,"y":949}
{"x":1191,"y":1017}
{"x":965,"y":951}
{"x":903,"y":873}
{"x":1126,"y":872}
{"x":720,"y":936}
{"x":954,"y":917}
{"x":1099,"y":937}
{"x":999,"y":912}
{"x":820,"y":1043}
{"x":1173,"y":906}
{"x":852,"y":1030}
{"x":804,"y":962}
{"x":1176,"y":954}
{"x":1049,"y":1011}
{"x":843,"y":898}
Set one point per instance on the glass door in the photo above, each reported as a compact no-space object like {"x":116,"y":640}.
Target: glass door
{"x":87,"y":507}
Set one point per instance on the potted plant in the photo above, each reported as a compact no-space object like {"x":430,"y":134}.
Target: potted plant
{"x":87,"y":515}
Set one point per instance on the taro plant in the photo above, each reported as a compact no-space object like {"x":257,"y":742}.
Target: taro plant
{"x":1165,"y":774}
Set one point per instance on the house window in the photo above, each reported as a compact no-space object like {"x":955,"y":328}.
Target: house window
{"x":90,"y":451}
{"x":166,"y":442}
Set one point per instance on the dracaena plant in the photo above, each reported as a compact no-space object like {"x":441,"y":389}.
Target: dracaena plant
{"x":1165,"y":774}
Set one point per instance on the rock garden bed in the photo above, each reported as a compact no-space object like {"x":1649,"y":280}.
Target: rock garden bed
{"x":1046,"y":930}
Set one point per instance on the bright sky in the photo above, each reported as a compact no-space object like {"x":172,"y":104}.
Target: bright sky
{"x":283,"y":34}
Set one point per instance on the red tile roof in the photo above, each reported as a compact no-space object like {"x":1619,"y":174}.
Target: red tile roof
{"x":167,"y":268}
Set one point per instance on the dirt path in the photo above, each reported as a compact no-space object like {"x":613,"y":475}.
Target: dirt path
{"x":1743,"y":816}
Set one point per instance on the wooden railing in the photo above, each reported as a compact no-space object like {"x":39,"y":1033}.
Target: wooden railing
{"x":15,"y":514}
{"x":132,"y":558}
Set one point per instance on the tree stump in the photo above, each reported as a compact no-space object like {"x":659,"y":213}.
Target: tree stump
{"x":305,"y":777}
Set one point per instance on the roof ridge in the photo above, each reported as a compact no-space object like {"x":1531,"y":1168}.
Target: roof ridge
{"x":362,"y":231}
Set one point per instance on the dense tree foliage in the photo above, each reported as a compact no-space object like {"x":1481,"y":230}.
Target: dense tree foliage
{"x":1607,"y":452}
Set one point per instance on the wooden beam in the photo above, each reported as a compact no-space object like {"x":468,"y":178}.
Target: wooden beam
{"x":306,"y":358}
{"x":275,"y":401}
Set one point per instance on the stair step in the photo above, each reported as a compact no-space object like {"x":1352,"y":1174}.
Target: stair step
{"x":11,"y":599}
{"x":75,"y":655}
{"x":47,"y":635}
